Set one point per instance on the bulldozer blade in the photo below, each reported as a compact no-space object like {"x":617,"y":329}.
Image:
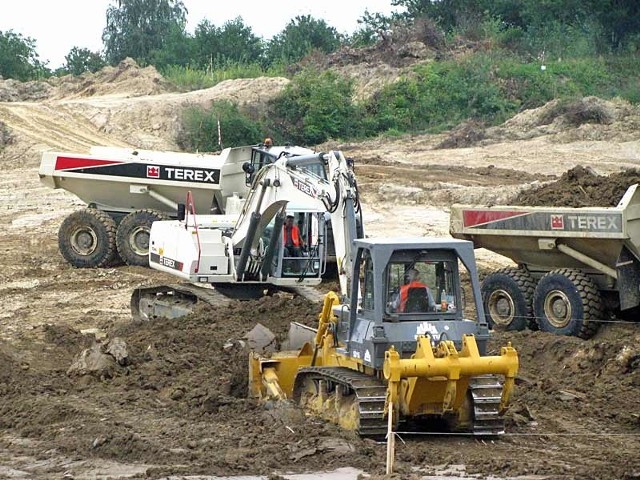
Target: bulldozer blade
{"x":299,"y":334}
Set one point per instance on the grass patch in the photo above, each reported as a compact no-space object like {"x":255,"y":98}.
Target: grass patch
{"x":189,"y":79}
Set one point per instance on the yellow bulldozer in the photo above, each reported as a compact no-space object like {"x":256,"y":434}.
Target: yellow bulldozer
{"x":397,"y":348}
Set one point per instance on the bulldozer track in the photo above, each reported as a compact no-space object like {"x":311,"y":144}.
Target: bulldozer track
{"x":486,"y":392}
{"x":370,"y":394}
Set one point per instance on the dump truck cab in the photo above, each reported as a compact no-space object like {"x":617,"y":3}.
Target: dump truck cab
{"x":393,"y":309}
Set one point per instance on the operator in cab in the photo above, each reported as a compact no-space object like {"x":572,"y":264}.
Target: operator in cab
{"x":293,"y":241}
{"x":414,"y":296}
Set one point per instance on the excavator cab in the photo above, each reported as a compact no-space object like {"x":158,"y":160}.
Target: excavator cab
{"x":304,"y":259}
{"x":264,"y":154}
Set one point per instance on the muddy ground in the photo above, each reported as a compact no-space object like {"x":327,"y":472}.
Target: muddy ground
{"x":177,"y":404}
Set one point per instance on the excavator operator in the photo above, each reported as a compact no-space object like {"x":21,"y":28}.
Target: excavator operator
{"x":293,"y":241}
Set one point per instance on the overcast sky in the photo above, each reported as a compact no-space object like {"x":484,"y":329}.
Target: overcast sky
{"x":59,"y":25}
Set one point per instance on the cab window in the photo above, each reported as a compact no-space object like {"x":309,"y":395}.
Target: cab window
{"x":420,"y":287}
{"x":366,"y":281}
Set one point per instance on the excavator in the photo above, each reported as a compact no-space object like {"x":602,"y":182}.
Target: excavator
{"x":243,"y":255}
{"x":388,"y":348}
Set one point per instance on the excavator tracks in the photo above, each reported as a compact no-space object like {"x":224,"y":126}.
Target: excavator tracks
{"x":486,"y":392}
{"x":367,"y":392}
{"x":172,"y":300}
{"x":178,"y":299}
{"x":310,"y":293}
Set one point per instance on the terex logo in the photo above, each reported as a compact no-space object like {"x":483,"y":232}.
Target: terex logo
{"x":165,"y":261}
{"x":168,"y":262}
{"x":304,"y":187}
{"x":153,"y":171}
{"x":557,"y":222}
{"x":191,"y":174}
{"x":593,"y":222}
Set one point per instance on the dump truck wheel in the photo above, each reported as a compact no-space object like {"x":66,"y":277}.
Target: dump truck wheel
{"x":567,"y":302}
{"x":132,"y":237}
{"x":507,"y":297}
{"x":87,"y":239}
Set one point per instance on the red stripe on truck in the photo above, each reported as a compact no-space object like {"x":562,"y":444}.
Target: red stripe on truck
{"x":474,"y":218}
{"x":66,"y":163}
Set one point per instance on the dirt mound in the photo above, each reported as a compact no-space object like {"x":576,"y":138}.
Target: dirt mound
{"x":588,"y":118}
{"x":581,"y":187}
{"x":384,"y":62}
{"x":466,"y":134}
{"x":561,"y":121}
{"x":564,"y":389}
{"x":181,"y":402}
{"x":127,"y":79}
{"x":16,"y":91}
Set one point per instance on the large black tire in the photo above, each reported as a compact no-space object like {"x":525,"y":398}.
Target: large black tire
{"x":567,"y":302}
{"x":507,"y":298}
{"x":132,"y":237}
{"x":87,"y":239}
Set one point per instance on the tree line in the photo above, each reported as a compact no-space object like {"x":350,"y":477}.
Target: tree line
{"x":153,"y":32}
{"x":494,"y":58}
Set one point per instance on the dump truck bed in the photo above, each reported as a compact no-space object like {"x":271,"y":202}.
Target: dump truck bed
{"x":535,"y":236}
{"x":122,"y":180}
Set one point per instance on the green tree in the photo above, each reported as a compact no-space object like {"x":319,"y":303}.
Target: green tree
{"x":178,"y":50}
{"x":18,"y":57}
{"x":81,"y":60}
{"x":620,"y":20}
{"x":234,"y":42}
{"x":138,"y":28}
{"x":301,"y":36}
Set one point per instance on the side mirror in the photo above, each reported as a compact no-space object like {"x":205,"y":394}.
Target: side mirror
{"x":182,"y":211}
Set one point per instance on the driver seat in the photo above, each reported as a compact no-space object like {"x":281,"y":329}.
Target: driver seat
{"x":417,"y":301}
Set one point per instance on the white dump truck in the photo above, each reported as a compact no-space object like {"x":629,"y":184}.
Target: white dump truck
{"x":126,"y":190}
{"x":576,"y":266}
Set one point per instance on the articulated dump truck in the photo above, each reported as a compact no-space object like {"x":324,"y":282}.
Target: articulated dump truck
{"x":576,"y":267}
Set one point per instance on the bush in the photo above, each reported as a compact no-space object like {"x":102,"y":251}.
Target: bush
{"x":491,"y":88}
{"x":440,"y":96}
{"x":315,"y":107}
{"x":5,"y":135}
{"x":199,"y":130}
